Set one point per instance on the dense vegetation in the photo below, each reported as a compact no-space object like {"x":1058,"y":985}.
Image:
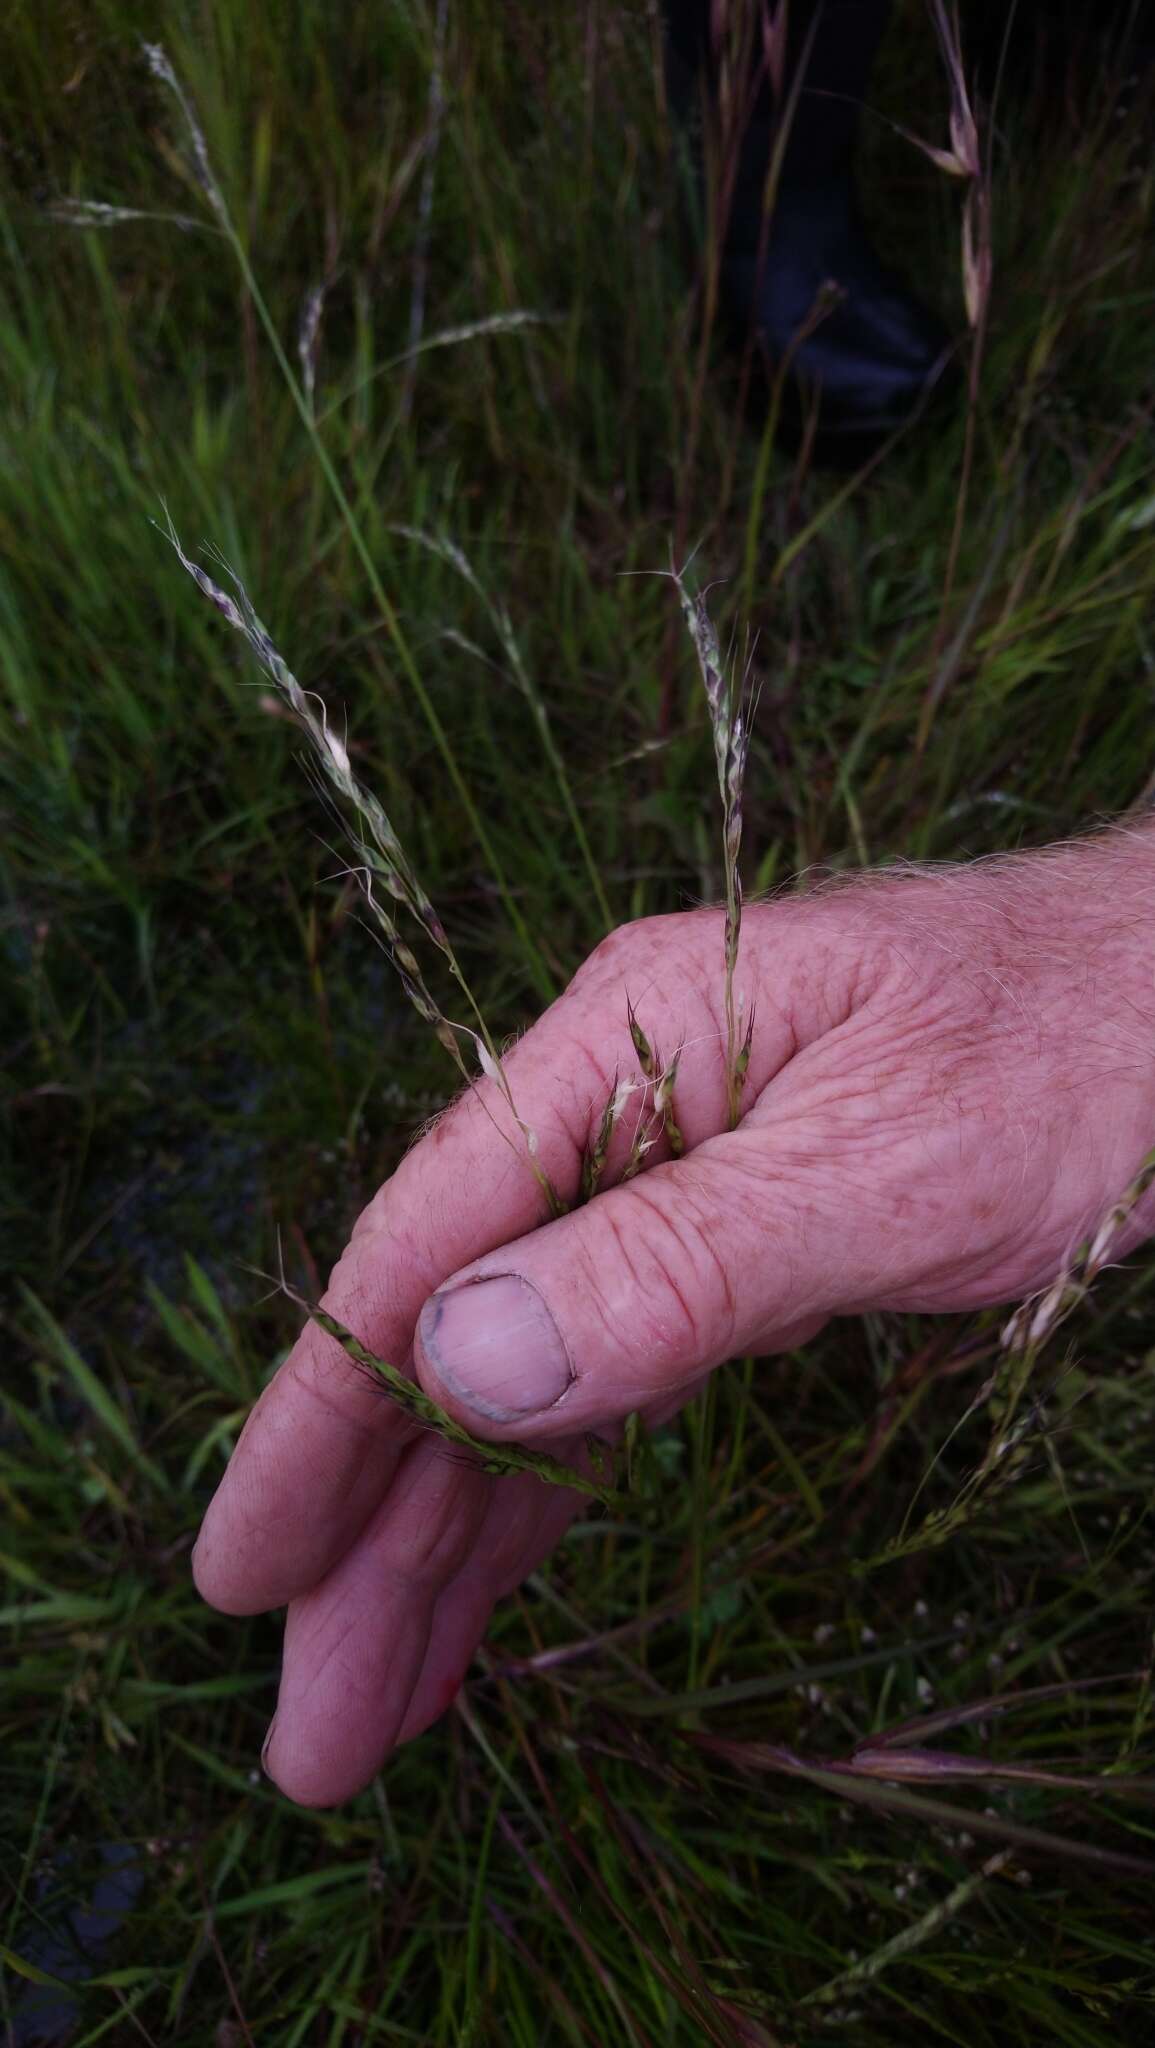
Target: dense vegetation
{"x":206,"y":1056}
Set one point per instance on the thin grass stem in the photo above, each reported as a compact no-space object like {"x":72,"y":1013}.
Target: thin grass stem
{"x":162,"y":68}
{"x":500,"y":1460}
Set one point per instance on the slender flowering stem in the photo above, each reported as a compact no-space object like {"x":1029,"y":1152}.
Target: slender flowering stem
{"x":502,"y":1460}
{"x":1038,"y":1319}
{"x":448,"y":551}
{"x":384,"y":860}
{"x":727,"y":700}
{"x":206,"y":178}
{"x":1015,"y":1426}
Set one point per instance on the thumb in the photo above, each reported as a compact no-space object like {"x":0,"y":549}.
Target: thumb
{"x":624,"y":1304}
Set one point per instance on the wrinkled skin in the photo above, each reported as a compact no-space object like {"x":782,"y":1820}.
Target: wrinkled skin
{"x":952,"y":1077}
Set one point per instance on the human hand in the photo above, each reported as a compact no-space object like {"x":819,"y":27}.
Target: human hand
{"x":952,"y":1076}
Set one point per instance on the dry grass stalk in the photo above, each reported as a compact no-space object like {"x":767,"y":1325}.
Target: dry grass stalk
{"x":847,"y":1782}
{"x":928,"y":1924}
{"x":502,"y":1460}
{"x":964,"y":160}
{"x":449,"y":552}
{"x":384,"y":865}
{"x":98,"y":213}
{"x":1036,"y":1321}
{"x":201,"y":173}
{"x":1015,"y":1426}
{"x":728,"y":701}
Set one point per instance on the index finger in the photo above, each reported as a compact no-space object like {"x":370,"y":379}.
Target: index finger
{"x":321,"y":1444}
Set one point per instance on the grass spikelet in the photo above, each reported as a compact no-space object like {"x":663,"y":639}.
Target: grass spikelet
{"x":158,"y":63}
{"x":309,"y":341}
{"x":742,"y":1063}
{"x":664,"y":1105}
{"x":98,"y":213}
{"x":647,"y":1057}
{"x":661,"y":1077}
{"x":641,"y":1145}
{"x":594,"y":1163}
{"x":491,"y":1067}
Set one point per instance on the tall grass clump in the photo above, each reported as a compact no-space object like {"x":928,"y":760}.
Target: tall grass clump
{"x":378,"y":847}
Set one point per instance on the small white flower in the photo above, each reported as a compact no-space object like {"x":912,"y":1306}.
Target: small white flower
{"x":486,"y":1061}
{"x":622,"y":1094}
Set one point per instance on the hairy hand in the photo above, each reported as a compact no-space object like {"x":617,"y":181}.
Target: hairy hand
{"x":951,"y":1078}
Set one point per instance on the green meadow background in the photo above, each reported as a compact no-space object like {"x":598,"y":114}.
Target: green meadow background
{"x":206,"y":1058}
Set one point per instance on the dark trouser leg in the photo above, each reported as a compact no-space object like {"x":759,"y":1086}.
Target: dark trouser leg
{"x":867,"y":362}
{"x":833,"y":44}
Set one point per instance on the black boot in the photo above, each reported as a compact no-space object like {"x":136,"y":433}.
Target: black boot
{"x":857,"y":344}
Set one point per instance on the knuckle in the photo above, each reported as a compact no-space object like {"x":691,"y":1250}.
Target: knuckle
{"x":631,"y":946}
{"x":656,"y":1278}
{"x":435,"y":1519}
{"x":611,"y":953}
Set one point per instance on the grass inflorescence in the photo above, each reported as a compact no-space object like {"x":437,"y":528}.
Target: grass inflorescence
{"x":729,"y":703}
{"x":381,"y":860}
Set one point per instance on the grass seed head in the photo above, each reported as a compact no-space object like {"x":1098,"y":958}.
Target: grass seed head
{"x":594,"y":1162}
{"x":664,"y":1105}
{"x":729,"y":702}
{"x":647,"y":1057}
{"x":158,"y":63}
